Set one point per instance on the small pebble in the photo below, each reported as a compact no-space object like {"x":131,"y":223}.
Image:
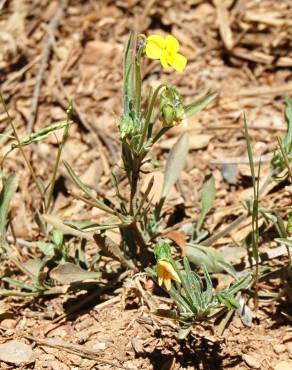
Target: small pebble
{"x":8,"y":324}
{"x":251,"y":361}
{"x":279,"y":348}
{"x":289,"y":348}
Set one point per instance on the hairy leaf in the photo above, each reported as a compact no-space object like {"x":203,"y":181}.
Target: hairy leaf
{"x":200,"y":104}
{"x":69,"y":273}
{"x":175,"y":163}
{"x":207,"y":198}
{"x":7,"y":192}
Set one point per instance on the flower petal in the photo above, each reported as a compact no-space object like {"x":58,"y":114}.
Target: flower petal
{"x":164,"y":60}
{"x":171,"y":273}
{"x":178,"y":62}
{"x":167,"y":283}
{"x":160,"y":281}
{"x":153,"y":51}
{"x":172,"y":45}
{"x":158,"y":40}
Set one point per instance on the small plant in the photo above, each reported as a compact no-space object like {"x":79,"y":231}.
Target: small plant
{"x":142,"y":124}
{"x":193,"y":302}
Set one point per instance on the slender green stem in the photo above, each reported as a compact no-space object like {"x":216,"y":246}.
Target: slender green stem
{"x":149,"y":114}
{"x":29,"y":166}
{"x":255,"y":207}
{"x":138,"y":82}
{"x":61,"y":146}
{"x":284,"y":154}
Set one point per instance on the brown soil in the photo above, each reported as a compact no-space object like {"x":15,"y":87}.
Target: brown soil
{"x":243,"y":49}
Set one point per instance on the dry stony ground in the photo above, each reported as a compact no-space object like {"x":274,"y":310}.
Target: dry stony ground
{"x":73,"y":49}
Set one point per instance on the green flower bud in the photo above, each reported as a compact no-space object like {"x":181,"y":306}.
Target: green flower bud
{"x":162,"y":251}
{"x":127,"y":127}
{"x":168,"y":114}
{"x":172,"y":109}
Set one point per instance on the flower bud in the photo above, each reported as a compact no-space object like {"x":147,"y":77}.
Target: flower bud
{"x":126,"y":127}
{"x":172,"y":109}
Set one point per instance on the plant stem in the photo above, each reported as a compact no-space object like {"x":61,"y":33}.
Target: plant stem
{"x":56,"y":167}
{"x":29,"y":166}
{"x":149,"y":114}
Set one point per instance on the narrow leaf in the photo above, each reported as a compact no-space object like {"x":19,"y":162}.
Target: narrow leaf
{"x":77,"y":181}
{"x":207,"y":198}
{"x":128,"y":76}
{"x":285,"y":241}
{"x":287,"y":141}
{"x":212,"y":259}
{"x":69,"y":273}
{"x":40,"y":135}
{"x":175,"y":163}
{"x":59,"y":225}
{"x":200,"y":104}
{"x":7,"y":192}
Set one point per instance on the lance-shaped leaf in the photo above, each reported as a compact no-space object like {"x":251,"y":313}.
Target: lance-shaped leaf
{"x":40,"y":135}
{"x":200,"y":104}
{"x":77,"y":181}
{"x":287,"y":141}
{"x":211,"y":258}
{"x":69,"y":273}
{"x":175,"y":163}
{"x":7,"y":192}
{"x":58,"y":224}
{"x":207,"y":198}
{"x":128,"y":76}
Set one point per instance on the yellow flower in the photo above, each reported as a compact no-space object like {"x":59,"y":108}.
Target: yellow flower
{"x":166,"y":49}
{"x":166,"y":273}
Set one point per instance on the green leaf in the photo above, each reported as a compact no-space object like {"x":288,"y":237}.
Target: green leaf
{"x":40,"y":135}
{"x":34,"y":266}
{"x":184,"y":331}
{"x":7,"y":192}
{"x":285,"y":241}
{"x":208,"y":294}
{"x":228,"y":301}
{"x":19,"y":284}
{"x":201,"y":256}
{"x":240,"y":284}
{"x":200,"y":104}
{"x":191,"y":286}
{"x":128,"y":76}
{"x":69,"y":273}
{"x":287,"y":141}
{"x":175,"y":163}
{"x":48,"y":249}
{"x":77,"y":181}
{"x":67,"y":230}
{"x":181,"y":301}
{"x":207,"y":198}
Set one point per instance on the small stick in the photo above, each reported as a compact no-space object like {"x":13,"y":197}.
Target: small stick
{"x":52,"y":27}
{"x":76,"y":349}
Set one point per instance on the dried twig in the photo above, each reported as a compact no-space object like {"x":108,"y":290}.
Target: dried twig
{"x":224,"y":26}
{"x":76,"y":349}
